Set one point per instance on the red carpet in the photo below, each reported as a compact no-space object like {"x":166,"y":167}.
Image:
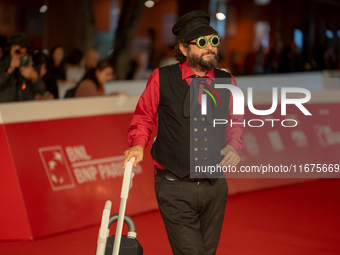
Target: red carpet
{"x":292,"y":220}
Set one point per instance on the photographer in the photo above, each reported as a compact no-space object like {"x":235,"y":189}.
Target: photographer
{"x":19,"y":81}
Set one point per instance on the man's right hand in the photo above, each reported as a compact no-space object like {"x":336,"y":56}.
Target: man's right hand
{"x":136,"y":151}
{"x":15,"y":63}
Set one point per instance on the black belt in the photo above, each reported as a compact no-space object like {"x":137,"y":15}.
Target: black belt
{"x":172,"y":177}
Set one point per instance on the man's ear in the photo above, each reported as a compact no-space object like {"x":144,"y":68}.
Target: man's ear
{"x":183,"y":49}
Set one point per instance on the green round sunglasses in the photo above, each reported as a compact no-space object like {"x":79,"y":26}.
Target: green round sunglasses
{"x":202,"y":41}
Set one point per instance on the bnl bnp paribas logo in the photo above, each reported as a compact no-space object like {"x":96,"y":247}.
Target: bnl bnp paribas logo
{"x":238,"y":105}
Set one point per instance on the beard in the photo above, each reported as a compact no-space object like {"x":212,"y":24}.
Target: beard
{"x":196,"y":61}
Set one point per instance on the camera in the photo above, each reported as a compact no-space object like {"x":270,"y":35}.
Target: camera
{"x":25,"y":60}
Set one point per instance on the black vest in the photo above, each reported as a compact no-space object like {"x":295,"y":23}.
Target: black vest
{"x":186,"y":139}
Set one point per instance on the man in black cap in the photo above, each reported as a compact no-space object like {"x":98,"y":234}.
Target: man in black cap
{"x":19,"y":81}
{"x":192,"y":203}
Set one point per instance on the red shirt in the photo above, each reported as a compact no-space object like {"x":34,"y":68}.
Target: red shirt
{"x":145,"y":116}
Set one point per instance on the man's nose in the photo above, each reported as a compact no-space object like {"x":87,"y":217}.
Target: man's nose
{"x":209,"y":46}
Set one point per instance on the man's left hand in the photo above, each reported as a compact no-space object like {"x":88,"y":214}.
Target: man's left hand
{"x":29,"y":73}
{"x":231,"y":156}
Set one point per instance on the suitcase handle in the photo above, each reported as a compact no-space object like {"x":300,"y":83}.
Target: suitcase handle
{"x":129,"y":222}
{"x":104,"y":230}
{"x":107,"y":220}
{"x":128,"y":175}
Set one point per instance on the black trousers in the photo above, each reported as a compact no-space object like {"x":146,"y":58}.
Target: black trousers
{"x":193,"y":214}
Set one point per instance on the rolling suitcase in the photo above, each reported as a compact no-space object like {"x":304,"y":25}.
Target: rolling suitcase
{"x":118,"y":244}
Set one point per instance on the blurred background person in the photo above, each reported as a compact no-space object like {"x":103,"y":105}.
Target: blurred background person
{"x":273,"y":57}
{"x":57,"y":64}
{"x":254,"y":62}
{"x":258,"y":67}
{"x":91,"y":59}
{"x":93,"y":81}
{"x":330,"y":58}
{"x":40,"y":63}
{"x":291,"y":60}
{"x":168,"y":57}
{"x":75,"y":68}
{"x":19,"y":81}
{"x":143,"y":68}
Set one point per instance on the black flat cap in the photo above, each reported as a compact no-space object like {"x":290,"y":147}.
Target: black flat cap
{"x":192,"y":25}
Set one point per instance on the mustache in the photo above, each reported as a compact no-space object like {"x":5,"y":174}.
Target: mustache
{"x":208,"y":52}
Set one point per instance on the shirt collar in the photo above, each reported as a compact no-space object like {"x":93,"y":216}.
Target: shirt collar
{"x":187,"y":72}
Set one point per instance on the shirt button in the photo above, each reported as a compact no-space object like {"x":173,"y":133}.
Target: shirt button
{"x":205,"y":139}
{"x":205,"y":158}
{"x":196,"y":158}
{"x":195,"y":129}
{"x":203,"y":119}
{"x":205,"y":129}
{"x":196,"y":139}
{"x":195,"y":149}
{"x":206,"y":149}
{"x":195,"y":119}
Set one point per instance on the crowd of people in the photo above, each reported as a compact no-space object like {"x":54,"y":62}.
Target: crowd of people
{"x":283,"y":58}
{"x":33,"y":75}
